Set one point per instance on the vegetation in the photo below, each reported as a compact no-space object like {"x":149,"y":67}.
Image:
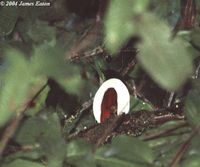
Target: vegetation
{"x":54,"y":58}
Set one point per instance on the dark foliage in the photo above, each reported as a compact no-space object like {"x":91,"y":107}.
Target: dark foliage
{"x":54,"y":57}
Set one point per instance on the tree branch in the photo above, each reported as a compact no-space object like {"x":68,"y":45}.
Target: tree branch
{"x":133,"y":124}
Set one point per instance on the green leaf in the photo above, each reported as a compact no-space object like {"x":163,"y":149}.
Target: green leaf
{"x":115,"y":162}
{"x":192,"y":161}
{"x":46,"y":131}
{"x":81,"y":121}
{"x":49,"y":61}
{"x":39,"y":103}
{"x":79,"y":153}
{"x":52,"y":142}
{"x":15,"y":84}
{"x":167,"y":147}
{"x":73,"y":84}
{"x":118,"y":24}
{"x":8,"y":20}
{"x":167,"y":10}
{"x":23,"y":163}
{"x":194,"y":148}
{"x":192,"y":105}
{"x":33,"y":154}
{"x":137,"y":104}
{"x":161,"y":57}
{"x":195,"y":37}
{"x":161,"y":143}
{"x":140,"y":6}
{"x":41,"y":32}
{"x":29,"y":131}
{"x":125,"y":151}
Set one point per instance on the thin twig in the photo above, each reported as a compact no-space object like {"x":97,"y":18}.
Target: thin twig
{"x":9,"y":132}
{"x":79,"y":113}
{"x":197,"y":71}
{"x":164,"y":133}
{"x":129,"y":67}
{"x":183,"y":148}
{"x":161,"y":119}
{"x":111,"y":127}
{"x":170,"y":100}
